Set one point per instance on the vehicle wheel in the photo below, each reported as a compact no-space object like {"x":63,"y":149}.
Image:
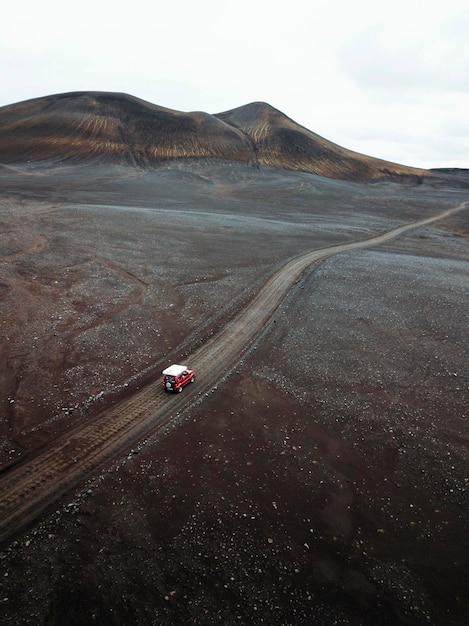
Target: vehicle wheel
{"x":180,"y":389}
{"x":192,"y":379}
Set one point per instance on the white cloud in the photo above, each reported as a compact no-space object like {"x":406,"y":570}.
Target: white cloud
{"x":420,"y":56}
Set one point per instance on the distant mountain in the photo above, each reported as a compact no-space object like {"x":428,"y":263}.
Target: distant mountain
{"x":113,"y":127}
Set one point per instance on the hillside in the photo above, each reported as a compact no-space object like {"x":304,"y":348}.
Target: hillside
{"x":281,"y":142}
{"x":118,"y":128}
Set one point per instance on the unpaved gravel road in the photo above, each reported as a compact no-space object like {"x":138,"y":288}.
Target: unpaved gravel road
{"x":27,"y":488}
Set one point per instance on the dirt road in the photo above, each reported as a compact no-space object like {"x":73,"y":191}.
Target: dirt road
{"x":28,"y":488}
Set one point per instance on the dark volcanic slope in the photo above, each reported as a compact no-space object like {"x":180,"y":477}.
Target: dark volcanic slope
{"x":281,"y":142}
{"x":116,"y":127}
{"x":120,"y":128}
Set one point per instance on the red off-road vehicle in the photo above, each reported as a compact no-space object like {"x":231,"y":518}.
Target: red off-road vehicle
{"x":176,"y":377}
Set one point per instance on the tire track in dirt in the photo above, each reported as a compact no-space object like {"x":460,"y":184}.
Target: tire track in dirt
{"x":141,"y":285}
{"x":135,"y":296}
{"x":30,"y":486}
{"x":37,"y":245}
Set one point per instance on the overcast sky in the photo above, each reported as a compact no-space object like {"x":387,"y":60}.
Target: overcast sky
{"x":388,"y":79}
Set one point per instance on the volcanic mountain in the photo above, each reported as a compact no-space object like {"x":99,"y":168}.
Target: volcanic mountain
{"x":120,"y":128}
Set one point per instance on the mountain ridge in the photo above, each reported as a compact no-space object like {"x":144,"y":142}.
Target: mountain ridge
{"x":117,"y":127}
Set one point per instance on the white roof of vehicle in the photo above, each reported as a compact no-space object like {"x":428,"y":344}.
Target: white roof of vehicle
{"x":174,"y":370}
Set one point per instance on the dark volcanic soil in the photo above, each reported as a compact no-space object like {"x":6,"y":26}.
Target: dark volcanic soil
{"x":325,"y":482}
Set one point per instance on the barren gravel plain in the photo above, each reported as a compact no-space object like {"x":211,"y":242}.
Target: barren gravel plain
{"x":322,"y":480}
